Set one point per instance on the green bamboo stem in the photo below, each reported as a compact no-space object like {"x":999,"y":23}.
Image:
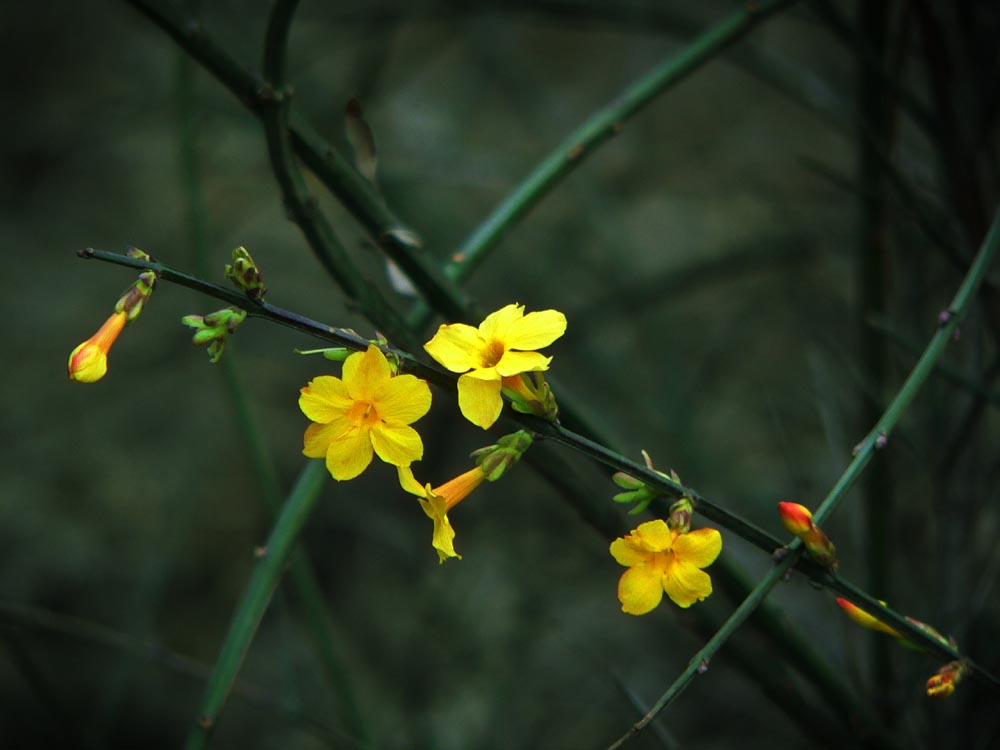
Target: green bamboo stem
{"x":272,"y":559}
{"x":597,"y":129}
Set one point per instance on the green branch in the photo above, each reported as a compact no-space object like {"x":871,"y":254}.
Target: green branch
{"x":863,"y":454}
{"x":543,"y":429}
{"x":356,"y":194}
{"x":272,"y":559}
{"x":597,"y":129}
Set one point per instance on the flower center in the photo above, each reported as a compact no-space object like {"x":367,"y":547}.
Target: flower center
{"x":363,"y":414}
{"x":492,"y":353}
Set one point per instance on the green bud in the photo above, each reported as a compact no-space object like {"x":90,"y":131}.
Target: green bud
{"x":626,"y":481}
{"x":214,"y":329}
{"x":245,"y":275}
{"x":495,"y":460}
{"x":680,"y":515}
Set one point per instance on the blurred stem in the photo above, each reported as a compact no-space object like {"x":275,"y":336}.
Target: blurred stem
{"x":270,"y":566}
{"x":597,"y":129}
{"x":977,"y":385}
{"x":318,"y":621}
{"x":357,"y":195}
{"x":699,"y":663}
{"x":18,"y":616}
{"x":948,"y":323}
{"x":873,"y":258}
{"x":302,"y":208}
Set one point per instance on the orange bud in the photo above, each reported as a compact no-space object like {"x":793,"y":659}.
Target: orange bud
{"x":89,"y":361}
{"x":796,"y":518}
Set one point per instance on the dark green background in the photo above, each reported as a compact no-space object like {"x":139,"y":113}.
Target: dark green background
{"x":707,"y":261}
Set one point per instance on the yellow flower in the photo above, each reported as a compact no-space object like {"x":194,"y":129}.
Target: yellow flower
{"x":89,"y":361}
{"x":499,"y":348}
{"x":663,"y":559}
{"x":369,"y":410}
{"x":438,"y":501}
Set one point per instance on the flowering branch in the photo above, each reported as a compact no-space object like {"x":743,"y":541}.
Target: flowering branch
{"x":554,"y":431}
{"x":876,"y":439}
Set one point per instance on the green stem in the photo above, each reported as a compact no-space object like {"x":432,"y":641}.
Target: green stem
{"x":272,"y":559}
{"x":875,"y":439}
{"x":700,"y":661}
{"x":357,"y":195}
{"x":310,"y":598}
{"x":873,"y":137}
{"x":301,"y":207}
{"x":948,"y":323}
{"x":597,"y":129}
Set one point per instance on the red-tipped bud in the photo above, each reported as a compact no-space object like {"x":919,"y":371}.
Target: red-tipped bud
{"x":798,"y":520}
{"x":943,"y":683}
{"x":89,"y":361}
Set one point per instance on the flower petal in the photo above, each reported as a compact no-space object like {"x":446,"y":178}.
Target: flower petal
{"x":443,"y":539}
{"x":685,"y":584}
{"x":640,"y":590}
{"x":409,"y":482}
{"x":349,"y":454}
{"x":513,"y":363}
{"x":499,"y":323}
{"x":655,"y":535}
{"x":535,"y":330}
{"x":699,"y":547}
{"x":324,"y":399}
{"x":398,"y":445}
{"x":364,"y":372}
{"x":455,"y":346}
{"x":403,"y":399}
{"x":627,"y":552}
{"x":479,"y":400}
{"x":317,"y":438}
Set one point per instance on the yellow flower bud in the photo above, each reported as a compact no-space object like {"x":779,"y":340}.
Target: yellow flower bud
{"x":89,"y":361}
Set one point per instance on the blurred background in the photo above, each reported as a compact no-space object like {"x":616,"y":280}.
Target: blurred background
{"x":749,"y":269}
